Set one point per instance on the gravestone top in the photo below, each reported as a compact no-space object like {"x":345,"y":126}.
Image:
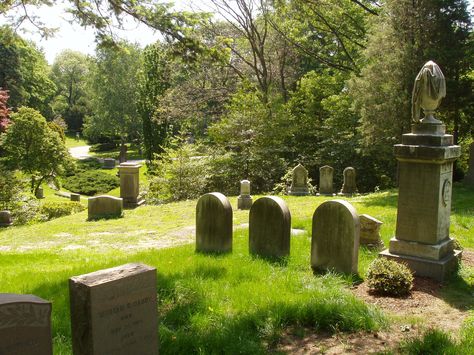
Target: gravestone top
{"x":335,"y":237}
{"x":349,"y":185}
{"x":299,"y":181}
{"x":112,"y":274}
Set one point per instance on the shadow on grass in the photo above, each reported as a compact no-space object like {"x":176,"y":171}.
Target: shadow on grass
{"x":458,"y":292}
{"x":382,"y":200}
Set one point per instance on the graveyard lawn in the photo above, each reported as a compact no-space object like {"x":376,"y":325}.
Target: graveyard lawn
{"x":235,"y":302}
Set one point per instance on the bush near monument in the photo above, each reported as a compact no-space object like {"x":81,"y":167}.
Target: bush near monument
{"x":387,"y":277}
{"x":53,"y":209}
{"x":91,"y":182}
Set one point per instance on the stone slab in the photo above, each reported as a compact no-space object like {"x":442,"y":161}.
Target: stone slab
{"x":424,"y":251}
{"x":426,"y":139}
{"x":109,"y":163}
{"x":244,"y":202}
{"x":335,"y":237}
{"x":104,"y":207}
{"x":435,"y":269}
{"x":424,"y":153}
{"x":213,"y":224}
{"x":114,"y":311}
{"x":75,"y":197}
{"x":25,"y":325}
{"x":269,"y":228}
{"x":370,"y":231}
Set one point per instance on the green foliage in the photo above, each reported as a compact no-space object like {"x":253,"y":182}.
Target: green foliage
{"x":10,"y":186}
{"x":433,"y":342}
{"x":387,"y":277}
{"x":114,"y":87}
{"x":31,"y":146}
{"x":54,"y":126}
{"x":25,"y":73}
{"x":69,"y":72}
{"x":180,"y":174}
{"x":91,"y":182}
{"x":53,"y":209}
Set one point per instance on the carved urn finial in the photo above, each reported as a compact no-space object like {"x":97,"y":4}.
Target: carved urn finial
{"x":429,"y":89}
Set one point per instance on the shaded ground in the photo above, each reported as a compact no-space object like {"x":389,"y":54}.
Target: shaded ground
{"x":426,"y":307}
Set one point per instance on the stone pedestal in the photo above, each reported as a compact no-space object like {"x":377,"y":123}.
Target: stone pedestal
{"x":129,"y":184}
{"x":422,"y":240}
{"x":244,"y":201}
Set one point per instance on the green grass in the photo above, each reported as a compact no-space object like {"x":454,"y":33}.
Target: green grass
{"x":212,"y":304}
{"x":72,"y":142}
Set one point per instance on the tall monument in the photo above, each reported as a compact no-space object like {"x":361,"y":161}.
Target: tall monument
{"x":425,"y":158}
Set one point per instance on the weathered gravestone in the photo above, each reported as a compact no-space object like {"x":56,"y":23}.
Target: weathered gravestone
{"x":326,"y":174}
{"x":269,"y":228}
{"x":213,"y":224}
{"x":123,"y":154}
{"x":425,"y":160}
{"x":244,"y":201}
{"x":114,"y":311}
{"x":299,"y":183}
{"x":349,"y":186}
{"x":25,"y":325}
{"x":130,"y":184}
{"x":5,"y":218}
{"x":104,"y":207}
{"x":335,"y":238}
{"x":109,"y":163}
{"x":75,"y":197}
{"x":469,"y":178}
{"x":370,"y":231}
{"x":39,"y":193}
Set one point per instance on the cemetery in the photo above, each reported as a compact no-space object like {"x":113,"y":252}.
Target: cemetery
{"x":258,"y":178}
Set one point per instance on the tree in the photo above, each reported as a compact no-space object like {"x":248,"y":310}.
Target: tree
{"x":402,"y":39}
{"x":32,"y":147}
{"x":4,"y":111}
{"x":114,"y":87}
{"x":69,"y":72}
{"x":24,"y":72}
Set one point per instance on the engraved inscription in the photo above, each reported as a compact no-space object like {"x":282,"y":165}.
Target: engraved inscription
{"x":446,"y":192}
{"x":23,"y":314}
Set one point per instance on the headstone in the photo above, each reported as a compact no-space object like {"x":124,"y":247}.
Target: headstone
{"x":104,"y":207}
{"x":39,"y":193}
{"x":123,"y":154}
{"x":130,"y":184}
{"x":335,"y":238}
{"x":109,"y":163}
{"x":114,"y":311}
{"x":5,"y":218}
{"x":270,"y":227}
{"x":349,"y":186}
{"x":213,"y":224}
{"x":299,"y":184}
{"x":425,"y":160}
{"x":244,"y":201}
{"x":370,"y":231}
{"x":326,"y":174}
{"x":25,"y":325}
{"x":469,"y":178}
{"x":75,"y":197}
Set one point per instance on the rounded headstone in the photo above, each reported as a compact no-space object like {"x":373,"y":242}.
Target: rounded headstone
{"x":269,"y":228}
{"x":213,"y":224}
{"x":39,"y":192}
{"x":335,"y":237}
{"x":5,"y":218}
{"x":349,"y":186}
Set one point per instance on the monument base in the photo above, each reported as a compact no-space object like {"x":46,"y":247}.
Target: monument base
{"x":244,"y":202}
{"x":133,"y":204}
{"x":434,"y":269}
{"x":299,"y":191}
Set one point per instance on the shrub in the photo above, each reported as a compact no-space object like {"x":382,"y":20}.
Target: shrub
{"x":91,"y":182}
{"x":53,"y":209}
{"x":103,"y":147}
{"x":388,"y":277}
